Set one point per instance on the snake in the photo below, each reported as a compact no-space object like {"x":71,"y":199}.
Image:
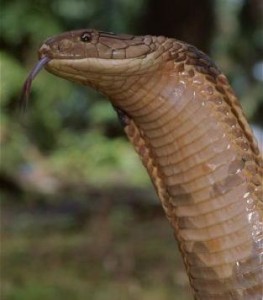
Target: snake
{"x":186,"y":124}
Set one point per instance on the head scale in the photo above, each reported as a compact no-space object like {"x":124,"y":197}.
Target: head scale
{"x":89,"y":43}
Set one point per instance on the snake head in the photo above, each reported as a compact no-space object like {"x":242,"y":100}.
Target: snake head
{"x":87,"y":56}
{"x":90,"y":43}
{"x":95,"y":58}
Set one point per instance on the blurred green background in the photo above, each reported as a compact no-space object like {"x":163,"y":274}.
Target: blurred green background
{"x":79,"y":218}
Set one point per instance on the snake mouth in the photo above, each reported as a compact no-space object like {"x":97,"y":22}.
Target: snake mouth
{"x":27,"y":85}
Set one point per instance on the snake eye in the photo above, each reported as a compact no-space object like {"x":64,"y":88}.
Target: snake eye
{"x":85,"y":37}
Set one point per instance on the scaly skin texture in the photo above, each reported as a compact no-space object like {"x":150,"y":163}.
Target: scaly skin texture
{"x":186,"y":124}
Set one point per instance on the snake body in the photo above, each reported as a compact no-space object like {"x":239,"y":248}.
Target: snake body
{"x":184,"y":120}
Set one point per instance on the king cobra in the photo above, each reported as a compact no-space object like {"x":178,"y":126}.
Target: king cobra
{"x":185,"y":122}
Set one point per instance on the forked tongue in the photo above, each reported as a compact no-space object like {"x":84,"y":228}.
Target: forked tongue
{"x":27,"y":85}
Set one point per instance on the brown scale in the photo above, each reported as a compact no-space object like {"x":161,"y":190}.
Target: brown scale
{"x":136,"y":137}
{"x":205,"y":66}
{"x":243,"y":136}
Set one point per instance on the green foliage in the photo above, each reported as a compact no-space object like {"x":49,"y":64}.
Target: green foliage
{"x":10,"y":79}
{"x":237,"y":47}
{"x":92,"y":158}
{"x":43,"y":264}
{"x":25,"y":18}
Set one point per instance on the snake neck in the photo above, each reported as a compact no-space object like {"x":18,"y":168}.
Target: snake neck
{"x":208,"y":167}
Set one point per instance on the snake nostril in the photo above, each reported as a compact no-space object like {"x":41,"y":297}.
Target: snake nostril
{"x":44,"y":50}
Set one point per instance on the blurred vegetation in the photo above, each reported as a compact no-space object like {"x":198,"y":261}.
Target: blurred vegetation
{"x":67,"y":153}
